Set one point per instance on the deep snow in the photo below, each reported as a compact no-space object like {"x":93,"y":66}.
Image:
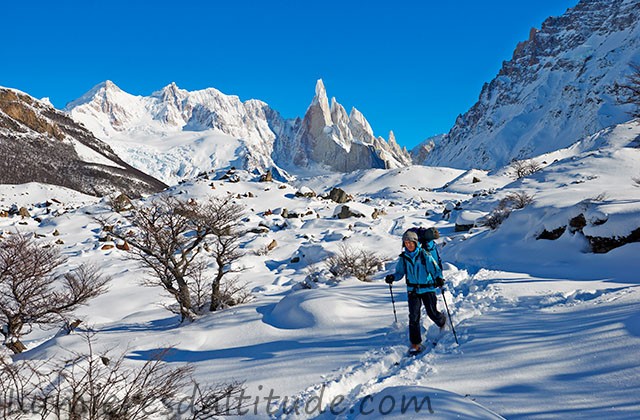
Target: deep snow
{"x":546,"y":329}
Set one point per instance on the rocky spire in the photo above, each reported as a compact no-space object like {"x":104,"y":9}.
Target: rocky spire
{"x":321,"y":103}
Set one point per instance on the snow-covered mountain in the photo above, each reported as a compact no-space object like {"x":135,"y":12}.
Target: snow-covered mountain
{"x":541,"y":322}
{"x":41,"y":144}
{"x":344,"y":142}
{"x":174,"y":134}
{"x":559,"y":87}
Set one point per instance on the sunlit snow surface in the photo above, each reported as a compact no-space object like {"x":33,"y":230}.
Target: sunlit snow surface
{"x":546,"y":329}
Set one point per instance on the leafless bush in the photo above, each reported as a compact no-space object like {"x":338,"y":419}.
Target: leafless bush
{"x":233,"y":292}
{"x":168,"y":238}
{"x":629,"y":92}
{"x":496,"y":217}
{"x":17,"y":390}
{"x":517,"y":200}
{"x":359,"y":263}
{"x":93,"y":386}
{"x":523,"y":168}
{"x":32,"y":293}
{"x":510,"y":202}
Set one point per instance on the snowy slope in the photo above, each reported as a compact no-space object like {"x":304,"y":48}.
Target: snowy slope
{"x":40,"y":143}
{"x":559,"y":87}
{"x":546,"y":328}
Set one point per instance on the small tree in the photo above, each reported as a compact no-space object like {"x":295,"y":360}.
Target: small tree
{"x":630,"y":91}
{"x":361,"y":264}
{"x":524,"y":168}
{"x":32,"y":293}
{"x":224,"y":248}
{"x":168,"y":237}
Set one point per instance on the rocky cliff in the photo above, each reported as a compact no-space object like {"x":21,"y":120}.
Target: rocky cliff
{"x":41,"y":144}
{"x":559,"y":87}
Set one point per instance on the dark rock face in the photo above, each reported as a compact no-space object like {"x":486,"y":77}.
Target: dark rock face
{"x":37,"y":144}
{"x":603,"y":245}
{"x":599,"y":244}
{"x":552,"y":235}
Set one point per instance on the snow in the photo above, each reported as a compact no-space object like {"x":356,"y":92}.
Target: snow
{"x":546,"y":328}
{"x":89,"y":155}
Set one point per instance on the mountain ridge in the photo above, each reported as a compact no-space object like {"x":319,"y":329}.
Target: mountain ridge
{"x":325,"y":139}
{"x":42,"y":144}
{"x":559,"y":87}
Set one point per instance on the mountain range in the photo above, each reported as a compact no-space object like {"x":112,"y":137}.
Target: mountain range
{"x":560,"y":86}
{"x":173,"y":122}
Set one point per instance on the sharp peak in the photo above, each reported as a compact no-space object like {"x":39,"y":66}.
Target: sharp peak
{"x":321,"y":91}
{"x":106,"y":86}
{"x":172,"y":86}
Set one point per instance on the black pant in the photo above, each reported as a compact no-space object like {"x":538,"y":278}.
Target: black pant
{"x":430,"y":304}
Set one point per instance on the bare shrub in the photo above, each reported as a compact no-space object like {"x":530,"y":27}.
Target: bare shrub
{"x":629,"y":92}
{"x":33,"y":294}
{"x":17,"y":390}
{"x":93,"y":386}
{"x":523,"y":168}
{"x":360,"y":263}
{"x":496,"y":217}
{"x":169,"y":237}
{"x":512,"y":201}
{"x":517,"y":200}
{"x":233,"y":292}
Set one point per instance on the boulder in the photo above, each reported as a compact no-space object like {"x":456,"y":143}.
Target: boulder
{"x":345,"y":213}
{"x":122,"y":203}
{"x":23,"y":212}
{"x":267,"y":177}
{"x":339,"y":195}
{"x":305,"y":192}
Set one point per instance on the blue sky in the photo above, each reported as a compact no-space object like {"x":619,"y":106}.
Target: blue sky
{"x":409,"y":66}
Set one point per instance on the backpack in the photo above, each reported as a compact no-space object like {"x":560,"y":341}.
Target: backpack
{"x":426,"y":235}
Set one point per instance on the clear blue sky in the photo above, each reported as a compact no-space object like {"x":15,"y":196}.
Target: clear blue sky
{"x":409,"y":66}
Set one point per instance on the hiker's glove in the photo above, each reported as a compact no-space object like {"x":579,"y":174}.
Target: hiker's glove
{"x":439,"y":282}
{"x":389,"y":279}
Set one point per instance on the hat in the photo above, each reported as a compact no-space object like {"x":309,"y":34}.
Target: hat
{"x":410,"y":236}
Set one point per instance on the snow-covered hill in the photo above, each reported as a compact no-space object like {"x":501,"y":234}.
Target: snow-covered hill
{"x":41,"y":144}
{"x":175,"y":134}
{"x":546,"y":328}
{"x":559,"y":87}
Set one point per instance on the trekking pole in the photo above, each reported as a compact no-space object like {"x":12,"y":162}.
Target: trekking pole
{"x":393,"y":302}
{"x":449,"y":313}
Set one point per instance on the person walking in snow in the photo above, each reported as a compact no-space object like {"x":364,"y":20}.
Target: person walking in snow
{"x":423,"y":276}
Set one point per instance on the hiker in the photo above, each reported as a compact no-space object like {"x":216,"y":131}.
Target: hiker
{"x":423,"y":276}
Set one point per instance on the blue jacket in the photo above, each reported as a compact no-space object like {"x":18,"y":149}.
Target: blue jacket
{"x":420,"y":270}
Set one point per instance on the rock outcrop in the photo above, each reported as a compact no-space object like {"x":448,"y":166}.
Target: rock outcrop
{"x":41,"y":144}
{"x":559,"y":87}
